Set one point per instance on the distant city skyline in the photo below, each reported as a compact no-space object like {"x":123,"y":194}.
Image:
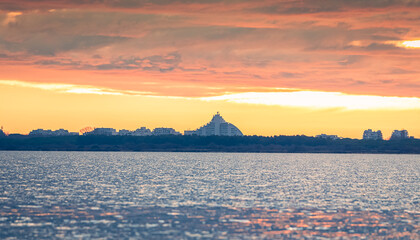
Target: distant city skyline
{"x":271,"y":67}
{"x":217,"y":126}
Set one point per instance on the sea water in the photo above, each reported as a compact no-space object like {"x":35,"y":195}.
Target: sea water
{"x":83,"y":195}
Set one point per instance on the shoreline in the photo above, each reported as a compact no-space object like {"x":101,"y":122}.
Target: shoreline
{"x":166,"y":151}
{"x":217,"y":144}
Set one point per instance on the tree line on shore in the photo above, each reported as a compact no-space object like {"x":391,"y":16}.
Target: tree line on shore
{"x":281,"y":144}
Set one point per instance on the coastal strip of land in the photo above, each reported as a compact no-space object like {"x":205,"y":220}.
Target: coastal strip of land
{"x":173,"y":143}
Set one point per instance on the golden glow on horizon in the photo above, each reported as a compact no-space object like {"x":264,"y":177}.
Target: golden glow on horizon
{"x":23,"y":109}
{"x":317,"y":99}
{"x":290,"y":98}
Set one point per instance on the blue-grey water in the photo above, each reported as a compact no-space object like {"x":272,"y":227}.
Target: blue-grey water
{"x":153,"y":195}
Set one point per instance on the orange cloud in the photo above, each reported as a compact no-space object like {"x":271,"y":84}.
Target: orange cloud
{"x":223,"y":50}
{"x":11,"y":17}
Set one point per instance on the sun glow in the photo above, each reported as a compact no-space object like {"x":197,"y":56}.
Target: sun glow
{"x":317,"y":99}
{"x":290,"y":98}
{"x":409,"y":44}
{"x":71,"y":88}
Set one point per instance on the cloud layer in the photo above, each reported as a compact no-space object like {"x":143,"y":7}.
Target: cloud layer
{"x":282,"y":97}
{"x":214,"y":47}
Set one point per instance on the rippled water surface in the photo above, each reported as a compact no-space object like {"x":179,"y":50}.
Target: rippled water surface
{"x":136,"y":194}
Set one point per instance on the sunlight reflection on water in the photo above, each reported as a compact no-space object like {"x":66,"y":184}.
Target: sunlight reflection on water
{"x":105,"y":189}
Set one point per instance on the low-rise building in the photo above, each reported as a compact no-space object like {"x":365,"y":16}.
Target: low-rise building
{"x":41,"y":132}
{"x":143,"y":131}
{"x":325,"y":136}
{"x":165,"y":131}
{"x":102,"y":132}
{"x":48,"y":132}
{"x":372,"y":135}
{"x":63,"y":132}
{"x":124,"y":132}
{"x":399,"y":134}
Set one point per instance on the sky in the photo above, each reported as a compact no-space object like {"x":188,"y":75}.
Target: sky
{"x":283,"y":67}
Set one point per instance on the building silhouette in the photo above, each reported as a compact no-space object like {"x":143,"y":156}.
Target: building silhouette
{"x":143,"y":131}
{"x":325,"y":136}
{"x":48,"y":132}
{"x":399,"y":134}
{"x":372,"y":135}
{"x":124,"y":132}
{"x":102,"y":132}
{"x":165,"y":131}
{"x":217,"y":126}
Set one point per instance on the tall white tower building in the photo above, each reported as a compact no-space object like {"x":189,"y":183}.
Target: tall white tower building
{"x":217,"y":126}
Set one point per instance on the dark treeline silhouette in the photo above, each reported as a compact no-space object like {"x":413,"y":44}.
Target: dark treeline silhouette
{"x":281,"y":144}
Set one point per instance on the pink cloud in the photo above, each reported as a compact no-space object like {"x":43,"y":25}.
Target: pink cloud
{"x":207,"y":49}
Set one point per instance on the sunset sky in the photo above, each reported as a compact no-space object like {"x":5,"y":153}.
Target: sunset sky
{"x":282,"y":67}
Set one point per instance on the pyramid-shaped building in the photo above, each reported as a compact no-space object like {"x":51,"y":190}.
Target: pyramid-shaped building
{"x":216,"y":127}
